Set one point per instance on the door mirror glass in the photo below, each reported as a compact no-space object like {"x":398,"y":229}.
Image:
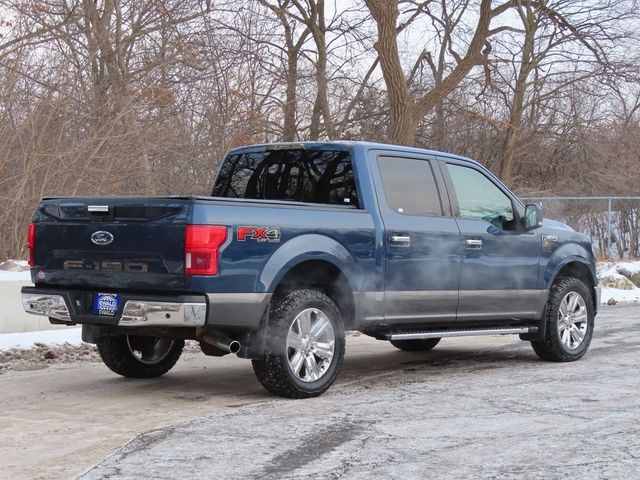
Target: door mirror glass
{"x":532,"y":216}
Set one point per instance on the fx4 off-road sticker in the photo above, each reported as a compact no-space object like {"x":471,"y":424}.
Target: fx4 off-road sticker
{"x":259,"y":234}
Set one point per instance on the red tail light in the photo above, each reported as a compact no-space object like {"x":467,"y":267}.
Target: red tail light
{"x":31,"y":244}
{"x":201,"y":249}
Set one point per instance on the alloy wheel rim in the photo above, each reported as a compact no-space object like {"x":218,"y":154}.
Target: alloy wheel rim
{"x":572,"y":320}
{"x":149,"y":350}
{"x":311,"y":343}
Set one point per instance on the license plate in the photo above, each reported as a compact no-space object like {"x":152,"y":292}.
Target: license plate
{"x":105,"y":303}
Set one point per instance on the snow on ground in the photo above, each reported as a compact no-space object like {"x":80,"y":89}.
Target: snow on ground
{"x":619,"y":282}
{"x":14,"y":271}
{"x":13,"y":265}
{"x":615,"y":295}
{"x":71,"y":335}
{"x":15,"y":276}
{"x":631,"y":267}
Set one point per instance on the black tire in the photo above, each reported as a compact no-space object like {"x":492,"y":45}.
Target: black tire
{"x":551,"y":347}
{"x":117,"y":353}
{"x":273,"y":369}
{"x":422,"y":345}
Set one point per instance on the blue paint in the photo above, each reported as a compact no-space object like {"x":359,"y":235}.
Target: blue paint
{"x":356,"y":241}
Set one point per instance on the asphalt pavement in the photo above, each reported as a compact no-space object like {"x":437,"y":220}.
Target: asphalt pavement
{"x":471,"y":408}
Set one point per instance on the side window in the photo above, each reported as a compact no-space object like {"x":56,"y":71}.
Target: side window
{"x":409,"y":186}
{"x":479,"y":198}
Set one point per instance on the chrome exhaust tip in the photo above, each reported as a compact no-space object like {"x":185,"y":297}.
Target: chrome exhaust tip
{"x":222,"y":343}
{"x":234,"y":347}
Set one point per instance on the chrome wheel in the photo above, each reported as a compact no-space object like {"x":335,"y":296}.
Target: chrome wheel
{"x":149,"y":350}
{"x":572,"y":320}
{"x":310,"y":345}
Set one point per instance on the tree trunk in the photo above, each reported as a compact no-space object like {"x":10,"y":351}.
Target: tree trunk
{"x":318,"y":31}
{"x":402,"y":124}
{"x":314,"y":127}
{"x":404,"y":113}
{"x":512,"y":137}
{"x":289,"y":129}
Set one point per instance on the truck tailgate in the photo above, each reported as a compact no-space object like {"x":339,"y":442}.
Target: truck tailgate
{"x":111,"y":243}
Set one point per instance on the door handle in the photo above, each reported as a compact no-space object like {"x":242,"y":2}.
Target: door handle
{"x":401,"y":240}
{"x":472,"y":244}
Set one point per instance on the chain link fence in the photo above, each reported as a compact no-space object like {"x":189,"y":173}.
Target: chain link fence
{"x":613,"y":223}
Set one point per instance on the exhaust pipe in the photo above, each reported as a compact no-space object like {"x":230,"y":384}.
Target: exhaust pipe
{"x":234,"y":347}
{"x":221,"y":343}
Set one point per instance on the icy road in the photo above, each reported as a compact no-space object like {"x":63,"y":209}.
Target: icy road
{"x":471,"y":408}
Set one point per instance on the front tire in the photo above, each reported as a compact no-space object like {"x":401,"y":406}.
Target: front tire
{"x":137,"y":356}
{"x":422,"y":345}
{"x":569,"y":320}
{"x":305,"y":345}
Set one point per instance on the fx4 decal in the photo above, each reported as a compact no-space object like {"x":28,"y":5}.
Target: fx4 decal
{"x":259,"y":234}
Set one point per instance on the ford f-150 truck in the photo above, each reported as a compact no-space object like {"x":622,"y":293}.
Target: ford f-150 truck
{"x":300,"y":242}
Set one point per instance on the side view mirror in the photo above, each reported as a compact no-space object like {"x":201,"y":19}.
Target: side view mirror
{"x":532,"y":216}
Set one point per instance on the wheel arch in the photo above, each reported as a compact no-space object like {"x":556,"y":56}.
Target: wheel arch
{"x":325,"y":276}
{"x":575,"y":267}
{"x":317,"y":261}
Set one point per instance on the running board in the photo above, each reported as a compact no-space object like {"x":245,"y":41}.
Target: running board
{"x":469,"y":332}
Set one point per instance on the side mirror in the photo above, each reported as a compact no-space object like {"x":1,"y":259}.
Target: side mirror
{"x":532,"y":216}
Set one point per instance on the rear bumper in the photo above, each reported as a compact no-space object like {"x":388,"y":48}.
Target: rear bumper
{"x":136,"y":311}
{"x":220,"y":310}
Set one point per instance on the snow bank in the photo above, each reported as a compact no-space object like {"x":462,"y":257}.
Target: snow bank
{"x":72,"y":336}
{"x":619,"y":282}
{"x":14,"y":271}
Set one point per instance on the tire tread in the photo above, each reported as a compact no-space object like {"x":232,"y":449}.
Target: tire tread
{"x":550,"y":347}
{"x":115,"y":354}
{"x":272,"y":369}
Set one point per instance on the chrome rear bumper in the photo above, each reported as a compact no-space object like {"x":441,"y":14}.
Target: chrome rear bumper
{"x":52,"y":306}
{"x":136,"y":313}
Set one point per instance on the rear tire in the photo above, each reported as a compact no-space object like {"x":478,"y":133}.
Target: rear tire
{"x":305,"y":345}
{"x":422,"y":345}
{"x":136,"y":356}
{"x":569,"y":320}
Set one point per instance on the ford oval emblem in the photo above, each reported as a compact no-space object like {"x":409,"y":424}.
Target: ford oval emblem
{"x":101,"y":237}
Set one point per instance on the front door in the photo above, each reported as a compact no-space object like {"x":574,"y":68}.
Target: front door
{"x":422,"y":240}
{"x":499,"y":278}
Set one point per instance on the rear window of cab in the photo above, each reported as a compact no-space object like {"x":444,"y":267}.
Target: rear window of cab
{"x":321,"y":176}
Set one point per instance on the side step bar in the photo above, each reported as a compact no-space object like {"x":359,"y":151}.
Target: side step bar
{"x":469,"y":332}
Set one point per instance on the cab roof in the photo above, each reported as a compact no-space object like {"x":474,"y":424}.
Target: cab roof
{"x":347,"y":145}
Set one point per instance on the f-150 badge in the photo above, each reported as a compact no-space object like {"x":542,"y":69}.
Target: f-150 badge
{"x":259,"y":234}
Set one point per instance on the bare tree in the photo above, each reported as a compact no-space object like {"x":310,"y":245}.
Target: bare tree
{"x":559,"y":44}
{"x":405,"y":111}
{"x":101,"y":97}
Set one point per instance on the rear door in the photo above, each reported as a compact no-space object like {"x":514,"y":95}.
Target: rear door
{"x":499,"y":278}
{"x":112,"y":243}
{"x":422,"y":240}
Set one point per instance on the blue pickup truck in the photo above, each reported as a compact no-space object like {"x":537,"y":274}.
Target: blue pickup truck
{"x":300,"y":242}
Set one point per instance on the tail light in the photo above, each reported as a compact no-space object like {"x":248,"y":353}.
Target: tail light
{"x":202,"y":243}
{"x":31,"y":244}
